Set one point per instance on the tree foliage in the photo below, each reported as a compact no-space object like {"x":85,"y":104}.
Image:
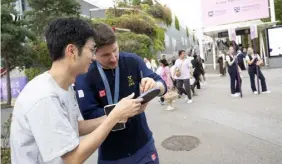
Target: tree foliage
{"x":135,"y":2}
{"x":176,"y":22}
{"x":161,"y":12}
{"x":31,"y":73}
{"x":5,"y":136}
{"x":140,"y":24}
{"x":42,"y":54}
{"x":148,"y":2}
{"x":278,"y":10}
{"x":187,"y":32}
{"x":15,"y":38}
{"x":43,"y":11}
{"x":135,"y":43}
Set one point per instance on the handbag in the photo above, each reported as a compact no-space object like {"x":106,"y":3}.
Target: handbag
{"x":178,"y":70}
{"x":171,"y":95}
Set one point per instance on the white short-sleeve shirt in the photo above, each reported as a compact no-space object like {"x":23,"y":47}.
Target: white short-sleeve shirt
{"x":184,"y":66}
{"x":45,"y":122}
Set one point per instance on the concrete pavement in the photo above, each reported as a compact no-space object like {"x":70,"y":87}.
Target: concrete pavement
{"x":231,"y":130}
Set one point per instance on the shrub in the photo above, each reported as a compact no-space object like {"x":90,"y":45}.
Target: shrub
{"x":161,"y":12}
{"x":31,"y":73}
{"x":5,"y":150}
{"x":176,"y":21}
{"x":135,"y":43}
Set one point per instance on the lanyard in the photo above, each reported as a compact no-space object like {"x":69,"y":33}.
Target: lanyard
{"x":107,"y":86}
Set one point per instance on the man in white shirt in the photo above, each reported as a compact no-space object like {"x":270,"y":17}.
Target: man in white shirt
{"x":183,"y":65}
{"x":254,"y":61}
{"x":46,"y":123}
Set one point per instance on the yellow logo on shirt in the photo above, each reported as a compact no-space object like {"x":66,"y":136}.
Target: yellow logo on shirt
{"x":130,"y":81}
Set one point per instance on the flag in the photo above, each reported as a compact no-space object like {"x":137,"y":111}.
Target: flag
{"x":254,"y":31}
{"x":232,"y":34}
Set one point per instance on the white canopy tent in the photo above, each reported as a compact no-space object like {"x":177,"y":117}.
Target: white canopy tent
{"x":261,"y":26}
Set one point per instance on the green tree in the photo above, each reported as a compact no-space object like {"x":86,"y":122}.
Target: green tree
{"x":161,"y":12}
{"x":15,"y":49}
{"x":42,"y":54}
{"x":278,"y":10}
{"x":136,"y":43}
{"x":176,"y":21}
{"x":148,"y":2}
{"x":136,"y":2}
{"x":5,"y":136}
{"x":187,"y":32}
{"x":43,"y":11}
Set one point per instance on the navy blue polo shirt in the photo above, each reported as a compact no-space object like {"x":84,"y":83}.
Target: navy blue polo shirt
{"x":92,"y":99}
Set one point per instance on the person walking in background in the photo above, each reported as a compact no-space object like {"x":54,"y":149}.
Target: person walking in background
{"x":172,"y":72}
{"x":148,"y":64}
{"x":202,"y":70}
{"x":197,"y":72}
{"x":154,"y":65}
{"x":165,"y":74}
{"x":222,"y":63}
{"x":254,"y":62}
{"x":182,"y":73}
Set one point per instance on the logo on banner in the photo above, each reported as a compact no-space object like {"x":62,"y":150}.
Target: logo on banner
{"x":210,"y":13}
{"x":102,"y":93}
{"x":237,"y":9}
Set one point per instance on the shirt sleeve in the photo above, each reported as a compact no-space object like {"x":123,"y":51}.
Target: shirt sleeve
{"x":51,"y":128}
{"x":148,"y":72}
{"x":258,"y":56}
{"x":227,"y":58}
{"x":88,"y":104}
{"x":177,"y":64}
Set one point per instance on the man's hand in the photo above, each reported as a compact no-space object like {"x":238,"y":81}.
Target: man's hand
{"x":147,"y":84}
{"x":126,"y":108}
{"x":142,"y":108}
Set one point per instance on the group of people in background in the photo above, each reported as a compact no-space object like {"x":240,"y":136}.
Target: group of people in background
{"x":182,"y":75}
{"x":244,"y":59}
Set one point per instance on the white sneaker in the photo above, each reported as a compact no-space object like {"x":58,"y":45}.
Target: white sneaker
{"x":266,"y":92}
{"x":169,"y":108}
{"x":186,"y":98}
{"x":255,"y":92}
{"x":235,"y":95}
{"x":189,"y":101}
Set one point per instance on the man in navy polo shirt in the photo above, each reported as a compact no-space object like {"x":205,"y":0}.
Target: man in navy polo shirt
{"x":112,"y":76}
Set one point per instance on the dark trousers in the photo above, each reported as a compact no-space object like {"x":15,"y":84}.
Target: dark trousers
{"x":197,"y":81}
{"x":252,"y":73}
{"x":234,"y":82}
{"x":187,"y":90}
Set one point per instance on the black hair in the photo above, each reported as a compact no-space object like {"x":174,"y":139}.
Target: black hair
{"x":63,"y":31}
{"x":180,"y":52}
{"x":105,"y":35}
{"x":164,"y":62}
